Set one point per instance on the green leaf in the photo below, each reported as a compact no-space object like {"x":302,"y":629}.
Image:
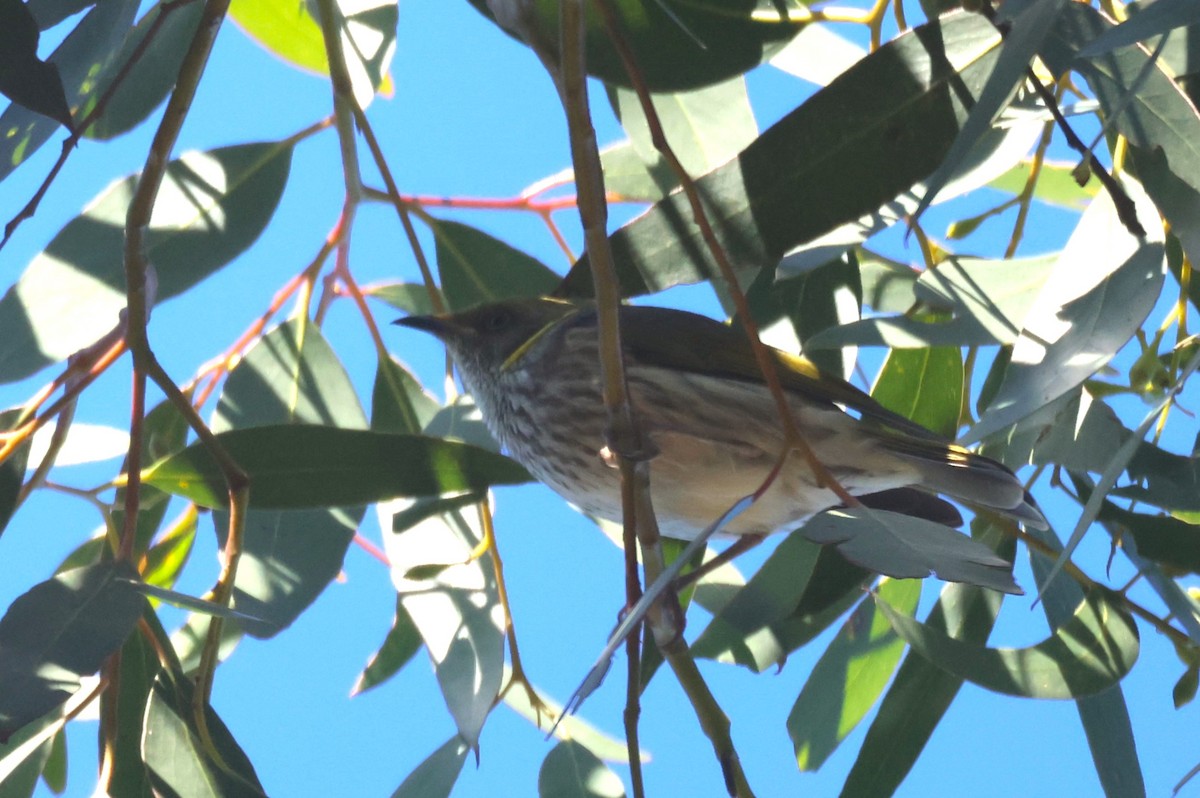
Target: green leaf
{"x":477,"y":268}
{"x":49,"y":13}
{"x":792,"y":312}
{"x":849,"y":677}
{"x":775,"y":195}
{"x":435,"y":777}
{"x":398,"y":402}
{"x":677,"y":46}
{"x":705,"y":127}
{"x":919,"y":696}
{"x":572,"y":771}
{"x":290,"y":376}
{"x":1090,"y":653}
{"x":1168,"y":541}
{"x":211,"y":207}
{"x":456,"y":609}
{"x":24,"y":756}
{"x":887,"y":285}
{"x":59,"y":631}
{"x":1104,"y":715}
{"x":1152,"y":20}
{"x":412,"y":298}
{"x":1055,"y":184}
{"x":86,"y":63}
{"x":139,"y":666}
{"x":980,"y":302}
{"x":925,"y":385}
{"x":1159,"y":119}
{"x":905,"y":547}
{"x":1104,"y":284}
{"x":12,"y":471}
{"x":400,"y":644}
{"x":743,"y":632}
{"x":179,"y":760}
{"x":818,"y":54}
{"x":290,"y":31}
{"x":1024,"y":37}
{"x":294,"y":466}
{"x":154,"y":74}
{"x":24,"y":78}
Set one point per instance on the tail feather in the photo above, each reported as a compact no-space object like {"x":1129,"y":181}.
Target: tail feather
{"x":970,"y":478}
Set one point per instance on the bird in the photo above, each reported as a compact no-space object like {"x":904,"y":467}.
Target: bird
{"x":709,"y":420}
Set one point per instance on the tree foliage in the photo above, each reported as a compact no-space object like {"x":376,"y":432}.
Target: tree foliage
{"x":1067,"y":365}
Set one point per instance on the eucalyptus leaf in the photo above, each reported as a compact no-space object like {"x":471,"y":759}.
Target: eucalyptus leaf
{"x":742,"y":632}
{"x":456,"y":609}
{"x":849,"y":677}
{"x":775,"y":195}
{"x":290,"y":376}
{"x":296,"y":466}
{"x":677,"y":46}
{"x":435,"y":777}
{"x":1103,"y":285}
{"x":1154,"y":20}
{"x":182,"y":760}
{"x":905,"y":547}
{"x":211,"y":207}
{"x":86,"y":61}
{"x":24,"y":78}
{"x":12,"y":471}
{"x":477,"y":268}
{"x":919,"y":696}
{"x":58,"y":632}
{"x":570,"y":770}
{"x":154,"y":74}
{"x":1090,"y":653}
{"x":291,"y":31}
{"x":987,"y":302}
{"x":704,"y":127}
{"x":399,"y":646}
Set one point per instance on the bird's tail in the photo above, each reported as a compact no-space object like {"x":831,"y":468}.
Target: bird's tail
{"x":971,"y":478}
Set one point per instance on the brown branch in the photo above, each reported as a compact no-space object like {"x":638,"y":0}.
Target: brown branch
{"x":793,"y":439}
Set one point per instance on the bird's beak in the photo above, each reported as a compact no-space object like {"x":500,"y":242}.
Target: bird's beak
{"x":438,"y":326}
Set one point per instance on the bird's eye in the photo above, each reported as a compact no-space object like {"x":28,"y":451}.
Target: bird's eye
{"x":498,"y":320}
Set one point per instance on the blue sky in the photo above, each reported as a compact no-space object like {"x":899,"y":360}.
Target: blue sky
{"x":474,"y":115}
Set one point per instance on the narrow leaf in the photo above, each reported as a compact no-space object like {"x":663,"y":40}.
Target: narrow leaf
{"x":58,"y":632}
{"x":291,"y":376}
{"x":211,"y":207}
{"x":572,"y":771}
{"x":182,"y":761}
{"x":849,"y":677}
{"x":152,"y":77}
{"x":456,"y":609}
{"x":86,"y":63}
{"x":435,"y":777}
{"x":12,"y":471}
{"x":775,"y":195}
{"x":742,"y":631}
{"x":399,"y":646}
{"x":292,"y":32}
{"x":1090,"y":653}
{"x":1104,"y":284}
{"x":477,"y":268}
{"x":24,"y":78}
{"x":293,"y":466}
{"x":905,"y":547}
